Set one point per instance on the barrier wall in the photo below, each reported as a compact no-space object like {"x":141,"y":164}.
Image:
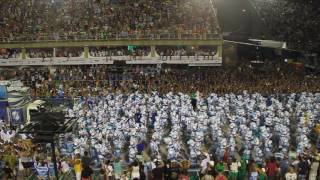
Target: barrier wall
{"x":192,"y":60}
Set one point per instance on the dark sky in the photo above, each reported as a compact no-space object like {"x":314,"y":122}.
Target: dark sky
{"x":238,"y":16}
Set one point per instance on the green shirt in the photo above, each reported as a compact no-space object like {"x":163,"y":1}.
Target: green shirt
{"x":262,"y":176}
{"x":193,"y":96}
{"x":117,"y":168}
{"x":220,"y":167}
{"x":242,"y":169}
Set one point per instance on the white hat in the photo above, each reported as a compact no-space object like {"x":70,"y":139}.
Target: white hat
{"x":211,"y":163}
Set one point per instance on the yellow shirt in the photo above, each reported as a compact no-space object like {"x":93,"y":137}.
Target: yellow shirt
{"x":77,"y":165}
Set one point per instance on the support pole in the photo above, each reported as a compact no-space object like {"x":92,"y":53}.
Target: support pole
{"x":220,"y":50}
{"x":54,"y":53}
{"x":23,"y":53}
{"x":153,"y":51}
{"x":53,"y":149}
{"x":86,"y":52}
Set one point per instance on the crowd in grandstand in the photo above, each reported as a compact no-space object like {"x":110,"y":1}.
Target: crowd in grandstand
{"x":83,"y":80}
{"x":293,"y":21}
{"x":101,"y":19}
{"x":119,"y":51}
{"x":288,"y":20}
{"x":9,"y":53}
{"x":39,"y":53}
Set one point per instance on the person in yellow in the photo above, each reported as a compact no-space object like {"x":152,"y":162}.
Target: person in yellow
{"x":77,"y":166}
{"x":11,"y":159}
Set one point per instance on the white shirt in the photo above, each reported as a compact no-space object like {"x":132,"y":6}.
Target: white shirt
{"x":234,"y":166}
{"x":65,"y":166}
{"x":20,"y":165}
{"x":204,"y":163}
{"x":110,"y":170}
{"x":291,"y":176}
{"x":135,"y":172}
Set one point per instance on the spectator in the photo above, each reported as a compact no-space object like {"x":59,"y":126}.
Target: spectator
{"x":173,"y":171}
{"x":65,"y":166}
{"x":303,"y":169}
{"x":86,"y":160}
{"x":234,"y":167}
{"x":141,"y":171}
{"x":158,"y":172}
{"x":86,"y":173}
{"x":272,"y":169}
{"x":262,"y":173}
{"x":102,"y":175}
{"x":184,"y":175}
{"x":219,"y":167}
{"x":42,"y":170}
{"x":207,"y":176}
{"x":291,"y":174}
{"x":8,"y":172}
{"x":221,"y":176}
{"x":135,"y":170}
{"x":77,"y":166}
{"x":117,"y":169}
{"x":284,"y":166}
{"x":253,"y":172}
{"x":108,"y":169}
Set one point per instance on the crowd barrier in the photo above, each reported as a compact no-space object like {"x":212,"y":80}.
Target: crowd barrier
{"x":217,"y":61}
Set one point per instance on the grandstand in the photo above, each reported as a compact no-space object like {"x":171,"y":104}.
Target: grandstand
{"x":159,"y":89}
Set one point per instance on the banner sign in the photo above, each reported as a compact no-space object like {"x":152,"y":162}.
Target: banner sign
{"x":3,"y":92}
{"x":17,"y":117}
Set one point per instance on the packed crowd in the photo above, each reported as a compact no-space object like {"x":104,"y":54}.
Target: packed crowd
{"x":153,"y":136}
{"x":121,"y":117}
{"x":120,"y":51}
{"x":75,"y":81}
{"x":164,"y":53}
{"x":101,"y":19}
{"x":39,"y":53}
{"x":218,"y":131}
{"x":147,"y":122}
{"x":292,"y":21}
{"x":189,"y":52}
{"x":10,"y":53}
